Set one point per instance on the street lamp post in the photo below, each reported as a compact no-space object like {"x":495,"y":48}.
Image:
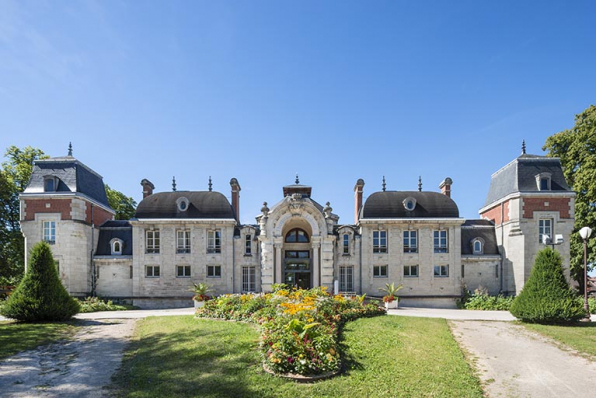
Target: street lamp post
{"x":585,"y":233}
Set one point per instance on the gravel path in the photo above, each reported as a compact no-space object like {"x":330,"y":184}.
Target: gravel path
{"x":515,"y":362}
{"x":80,"y":367}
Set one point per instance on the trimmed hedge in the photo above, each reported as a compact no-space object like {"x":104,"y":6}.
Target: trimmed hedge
{"x":547,"y":296}
{"x":40,"y":296}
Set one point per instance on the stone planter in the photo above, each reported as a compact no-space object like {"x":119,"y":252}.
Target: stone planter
{"x":392,"y":305}
{"x":199,"y":304}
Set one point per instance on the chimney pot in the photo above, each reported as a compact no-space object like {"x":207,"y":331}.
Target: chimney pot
{"x":358,"y":189}
{"x":148,"y":187}
{"x":235,"y":197}
{"x":445,"y":186}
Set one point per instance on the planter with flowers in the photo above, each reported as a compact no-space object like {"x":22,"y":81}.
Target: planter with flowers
{"x":200,"y":290}
{"x":390,"y":298}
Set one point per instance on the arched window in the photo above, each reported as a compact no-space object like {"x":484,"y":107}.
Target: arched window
{"x":477,"y":246}
{"x":116,"y":247}
{"x":297,"y":235}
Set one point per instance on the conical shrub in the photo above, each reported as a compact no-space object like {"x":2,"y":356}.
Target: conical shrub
{"x":547,"y":297}
{"x":40,"y":296}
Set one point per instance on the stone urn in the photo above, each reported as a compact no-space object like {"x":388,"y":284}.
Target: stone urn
{"x":392,"y":305}
{"x":199,"y":304}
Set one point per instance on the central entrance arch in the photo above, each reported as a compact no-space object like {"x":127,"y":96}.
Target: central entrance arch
{"x":297,"y":266}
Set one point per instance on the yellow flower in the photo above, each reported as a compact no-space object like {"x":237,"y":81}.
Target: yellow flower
{"x":331,"y":351}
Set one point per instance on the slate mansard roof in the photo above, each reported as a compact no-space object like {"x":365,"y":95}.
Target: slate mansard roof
{"x":114,"y":229}
{"x":520,"y":176}
{"x":483,"y":229}
{"x":390,"y":204}
{"x":201,"y":204}
{"x":73,"y":176}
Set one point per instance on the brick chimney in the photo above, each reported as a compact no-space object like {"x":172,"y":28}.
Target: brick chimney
{"x":358,"y":188}
{"x":148,"y":187}
{"x":446,"y":186}
{"x":236,"y":197}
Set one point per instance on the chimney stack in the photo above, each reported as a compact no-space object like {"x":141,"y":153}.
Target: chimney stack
{"x":358,"y":188}
{"x":236,"y":197}
{"x":446,"y":186}
{"x":148,"y":187}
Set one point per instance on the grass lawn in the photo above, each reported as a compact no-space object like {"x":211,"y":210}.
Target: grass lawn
{"x":580,"y":336}
{"x":386,"y":356}
{"x":17,"y":337}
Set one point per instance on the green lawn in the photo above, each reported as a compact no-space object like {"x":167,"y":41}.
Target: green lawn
{"x":17,"y":337}
{"x":386,"y":356}
{"x":580,"y":336}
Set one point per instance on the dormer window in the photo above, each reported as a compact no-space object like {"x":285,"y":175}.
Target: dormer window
{"x":182,"y":204}
{"x":409,"y":203}
{"x":116,"y":247}
{"x":49,"y":184}
{"x":478,"y":246}
{"x":543,"y":180}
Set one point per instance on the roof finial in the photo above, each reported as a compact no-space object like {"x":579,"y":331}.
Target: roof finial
{"x":297,"y":179}
{"x":174,"y":183}
{"x":419,"y":183}
{"x":70,"y":149}
{"x":384,"y":184}
{"x":523,"y":147}
{"x":210,"y":185}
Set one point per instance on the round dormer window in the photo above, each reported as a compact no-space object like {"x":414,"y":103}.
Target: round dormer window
{"x":409,"y":204}
{"x":182,"y":204}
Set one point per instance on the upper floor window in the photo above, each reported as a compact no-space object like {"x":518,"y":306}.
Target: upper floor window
{"x":297,"y":235}
{"x":545,"y":227}
{"x":409,"y":203}
{"x":477,"y":246}
{"x":49,"y":232}
{"x":214,"y":241}
{"x":183,"y":241}
{"x":543,"y":180}
{"x":248,"y":246}
{"x":379,"y":241}
{"x":410,"y":241}
{"x":152,"y":237}
{"x":182,"y":204}
{"x":441,"y":271}
{"x":346,"y":243}
{"x":49,"y":184}
{"x":116,"y":247}
{"x":440,"y":241}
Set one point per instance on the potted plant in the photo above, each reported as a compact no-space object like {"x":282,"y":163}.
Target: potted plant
{"x":200,"y":290}
{"x":390,"y":299}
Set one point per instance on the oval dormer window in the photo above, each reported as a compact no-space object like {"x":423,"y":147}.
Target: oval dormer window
{"x":182,"y":204}
{"x":409,"y":203}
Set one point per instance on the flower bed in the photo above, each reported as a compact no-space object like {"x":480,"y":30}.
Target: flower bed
{"x":300,"y":329}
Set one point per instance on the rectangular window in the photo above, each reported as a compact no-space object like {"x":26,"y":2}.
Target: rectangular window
{"x":410,"y":242}
{"x":380,"y":271}
{"x":152,"y":271}
{"x":463,"y":271}
{"x":346,"y":244}
{"x":249,"y":279}
{"x":153,"y":241}
{"x":214,"y":271}
{"x":440,"y":242}
{"x":346,"y":279}
{"x":411,"y":271}
{"x":183,"y":271}
{"x":379,"y":241}
{"x":49,"y":232}
{"x":545,"y":227}
{"x":183,"y":241}
{"x":248,"y":245}
{"x":441,"y":271}
{"x":131,"y":272}
{"x":57,"y":266}
{"x":214,"y":241}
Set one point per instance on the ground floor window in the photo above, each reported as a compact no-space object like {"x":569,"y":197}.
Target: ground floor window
{"x":411,"y":271}
{"x":380,"y":271}
{"x":249,"y":280}
{"x":441,"y":270}
{"x":152,"y":271}
{"x":183,"y":271}
{"x":214,"y":271}
{"x":346,"y":279}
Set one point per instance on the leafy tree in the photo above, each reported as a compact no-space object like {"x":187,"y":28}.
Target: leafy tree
{"x":546,"y":297}
{"x":14,"y":177}
{"x":40,"y":296}
{"x":124,"y":206}
{"x":577,"y":150}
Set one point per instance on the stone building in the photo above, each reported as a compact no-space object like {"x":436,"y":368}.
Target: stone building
{"x":413,"y":238}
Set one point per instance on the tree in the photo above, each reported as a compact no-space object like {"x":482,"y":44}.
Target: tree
{"x":40,"y":296}
{"x":546,"y":297}
{"x":14,"y":177}
{"x":577,"y":150}
{"x":124,"y":206}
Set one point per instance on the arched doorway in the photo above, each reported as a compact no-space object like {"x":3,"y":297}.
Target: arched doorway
{"x":297,"y":267}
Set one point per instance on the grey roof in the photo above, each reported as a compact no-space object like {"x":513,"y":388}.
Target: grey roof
{"x":520,"y":176}
{"x":202,"y":204}
{"x":389,"y":204}
{"x":114,"y":229}
{"x":73,"y":176}
{"x":483,"y":229}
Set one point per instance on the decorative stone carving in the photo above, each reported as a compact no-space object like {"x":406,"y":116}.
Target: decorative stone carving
{"x":265,"y":210}
{"x":296,"y":203}
{"x":327,"y":210}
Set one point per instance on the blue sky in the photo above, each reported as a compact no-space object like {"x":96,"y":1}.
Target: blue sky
{"x":260,"y":90}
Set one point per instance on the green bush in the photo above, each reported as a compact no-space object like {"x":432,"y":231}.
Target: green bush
{"x":40,"y":296}
{"x":481,"y":300}
{"x":547,"y":297}
{"x":94,"y":304}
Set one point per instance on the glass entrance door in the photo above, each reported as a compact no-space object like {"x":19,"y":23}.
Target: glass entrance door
{"x":297,"y":272}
